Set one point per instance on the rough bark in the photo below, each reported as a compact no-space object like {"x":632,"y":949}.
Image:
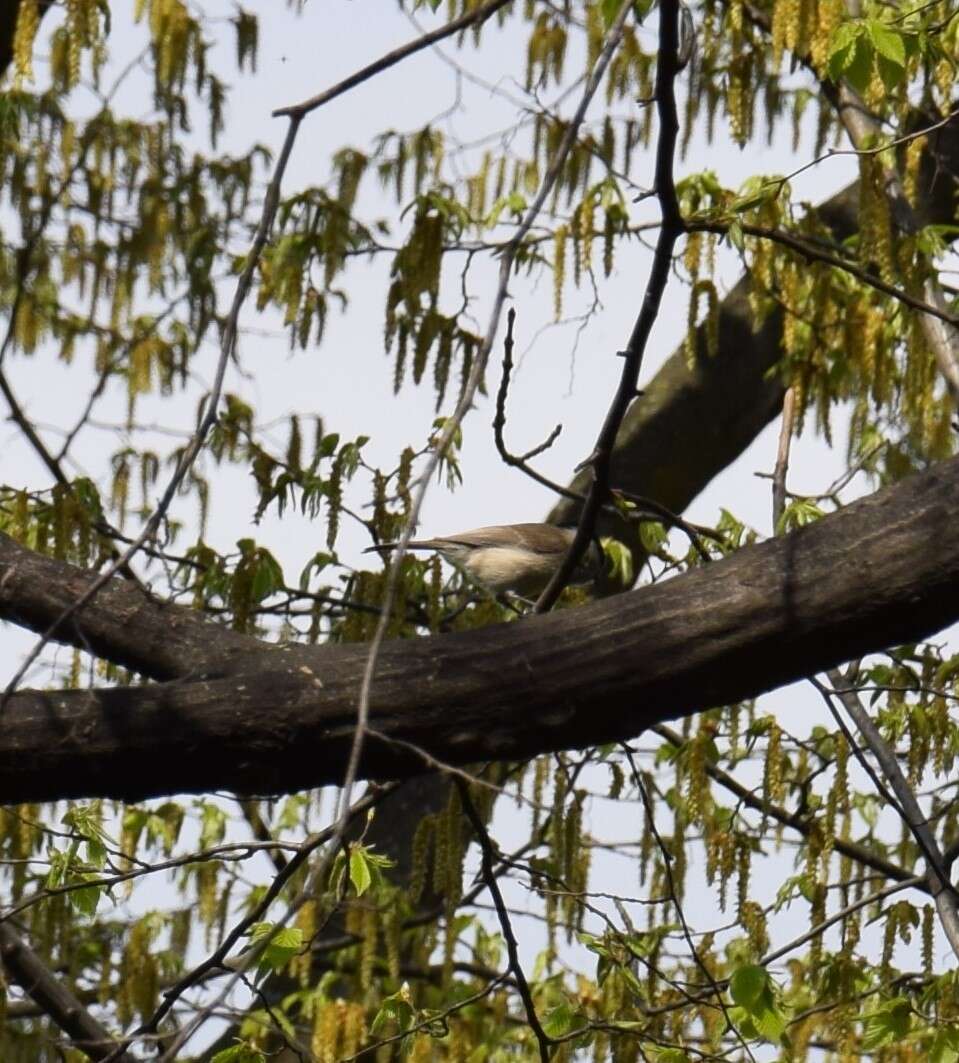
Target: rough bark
{"x":122,"y":624}
{"x":881,"y":571}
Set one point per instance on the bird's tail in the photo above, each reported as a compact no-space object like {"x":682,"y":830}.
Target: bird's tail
{"x":417,"y":544}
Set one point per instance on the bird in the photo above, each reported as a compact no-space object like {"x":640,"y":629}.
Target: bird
{"x":510,"y":557}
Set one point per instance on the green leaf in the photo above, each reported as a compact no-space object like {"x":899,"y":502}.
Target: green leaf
{"x":769,"y":1020}
{"x":267,"y":577}
{"x":558,"y":1021}
{"x":799,"y":512}
{"x":842,"y":48}
{"x":755,"y":993}
{"x":395,"y":1008}
{"x":887,"y":1024}
{"x":360,"y":874}
{"x":609,"y":9}
{"x":85,"y":900}
{"x":945,"y":1045}
{"x":889,"y":73}
{"x":859,"y":69}
{"x":887,"y":42}
{"x":747,"y":985}
{"x":619,"y":561}
{"x":665,"y":1055}
{"x":315,"y":566}
{"x":653,"y":536}
{"x":242,"y":1053}
{"x":283,"y":945}
{"x":735,"y":234}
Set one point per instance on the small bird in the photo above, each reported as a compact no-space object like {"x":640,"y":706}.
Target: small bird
{"x":510,"y":557}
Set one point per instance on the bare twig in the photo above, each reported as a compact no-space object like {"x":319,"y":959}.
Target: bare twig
{"x":834,"y":153}
{"x":693,"y":531}
{"x":471,"y":18}
{"x":512,"y":948}
{"x":943,"y":892}
{"x":499,"y":421}
{"x":667,"y":68}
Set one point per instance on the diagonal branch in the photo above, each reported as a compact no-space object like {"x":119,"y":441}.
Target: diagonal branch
{"x":941,"y":888}
{"x":803,"y":825}
{"x":122,"y":624}
{"x":25,"y":968}
{"x":471,"y":18}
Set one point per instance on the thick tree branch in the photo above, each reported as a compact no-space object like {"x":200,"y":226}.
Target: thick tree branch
{"x":881,"y":571}
{"x":694,"y":420}
{"x":121,"y":624}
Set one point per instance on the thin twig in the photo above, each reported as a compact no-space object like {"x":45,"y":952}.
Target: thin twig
{"x":512,"y":948}
{"x":940,"y":886}
{"x":693,"y":531}
{"x":815,"y":254}
{"x":499,"y":421}
{"x":667,"y":69}
{"x":471,"y":18}
{"x":834,"y":153}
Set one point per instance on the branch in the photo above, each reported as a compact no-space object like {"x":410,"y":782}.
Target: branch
{"x":816,"y":254}
{"x":25,"y":968}
{"x":884,"y":570}
{"x":942,"y":890}
{"x":122,"y":624}
{"x":794,"y":820}
{"x":667,"y":68}
{"x":512,"y":948}
{"x":471,"y":18}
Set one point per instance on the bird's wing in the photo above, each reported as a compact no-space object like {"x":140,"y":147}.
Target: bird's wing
{"x":538,"y":538}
